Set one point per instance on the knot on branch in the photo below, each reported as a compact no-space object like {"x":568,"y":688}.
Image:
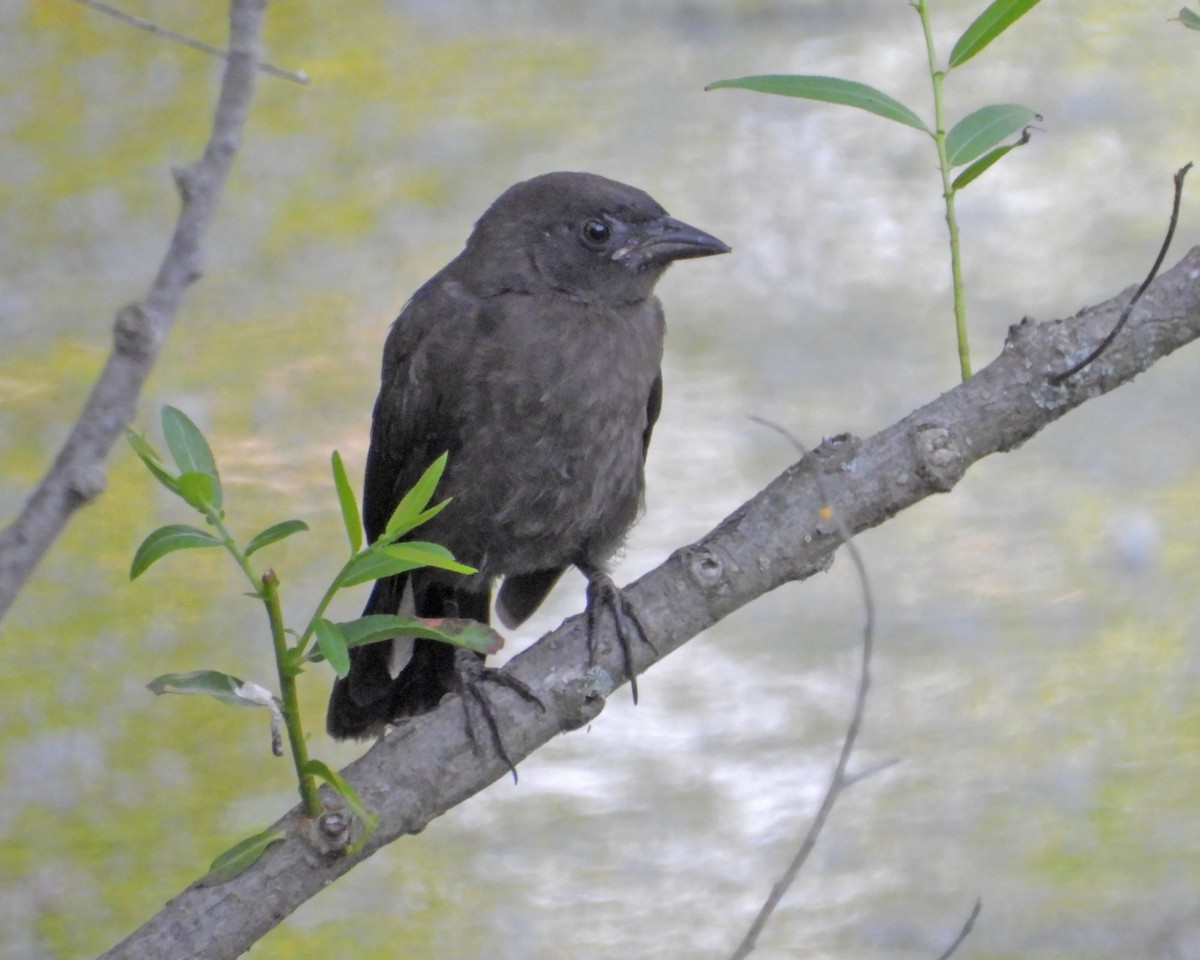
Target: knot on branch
{"x":334,"y":827}
{"x":940,"y":457}
{"x":838,"y":451}
{"x":185,"y":182}
{"x":1018,"y":333}
{"x":87,"y":482}
{"x":330,"y":834}
{"x":581,"y":701}
{"x":133,"y":333}
{"x":705,"y":566}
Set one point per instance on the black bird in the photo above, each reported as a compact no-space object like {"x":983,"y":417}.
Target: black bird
{"x":533,"y":358}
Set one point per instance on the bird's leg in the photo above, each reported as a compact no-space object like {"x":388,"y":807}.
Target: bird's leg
{"x":603,"y":594}
{"x":472,"y":674}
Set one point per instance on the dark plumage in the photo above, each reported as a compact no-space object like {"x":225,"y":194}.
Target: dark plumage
{"x":533,"y":358}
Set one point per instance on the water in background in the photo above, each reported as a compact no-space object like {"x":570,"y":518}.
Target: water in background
{"x":1037,"y":661}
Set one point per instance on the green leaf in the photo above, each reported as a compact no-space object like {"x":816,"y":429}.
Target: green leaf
{"x":168,"y":539}
{"x":830,"y":90}
{"x":396,"y":530}
{"x":979,"y":166}
{"x":386,"y":560}
{"x":210,"y":683}
{"x":350,"y":515}
{"x":376,"y":627}
{"x":332,"y":644}
{"x":241,"y":856}
{"x":426,"y":554}
{"x":200,"y":490}
{"x":316,"y":768}
{"x":189,"y":448}
{"x":413,"y":503}
{"x":370,"y":565}
{"x":978,"y":132}
{"x":998,"y":17}
{"x":275,"y":533}
{"x":150,"y":457}
{"x":1189,"y":19}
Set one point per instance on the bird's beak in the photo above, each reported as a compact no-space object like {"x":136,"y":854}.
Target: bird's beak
{"x":666,"y":239}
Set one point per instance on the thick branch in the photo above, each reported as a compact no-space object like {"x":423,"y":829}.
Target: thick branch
{"x":783,"y":534}
{"x":77,"y":474}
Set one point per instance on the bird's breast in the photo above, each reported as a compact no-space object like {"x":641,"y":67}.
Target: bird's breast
{"x":549,"y":429}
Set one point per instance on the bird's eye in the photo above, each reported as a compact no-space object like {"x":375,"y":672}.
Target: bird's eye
{"x":596,"y":233}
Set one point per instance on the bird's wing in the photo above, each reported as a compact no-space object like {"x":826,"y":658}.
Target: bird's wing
{"x":408,"y":431}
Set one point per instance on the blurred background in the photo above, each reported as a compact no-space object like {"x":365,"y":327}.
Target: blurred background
{"x":1037,"y":657}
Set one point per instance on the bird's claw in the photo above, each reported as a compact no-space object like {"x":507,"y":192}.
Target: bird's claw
{"x":472,"y":675}
{"x":602,"y":594}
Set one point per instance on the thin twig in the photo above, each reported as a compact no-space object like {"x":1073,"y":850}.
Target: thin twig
{"x":1058,"y":378}
{"x":839,"y":781}
{"x":296,"y":77}
{"x":852,"y":778}
{"x":77,"y":474}
{"x":965,"y":931}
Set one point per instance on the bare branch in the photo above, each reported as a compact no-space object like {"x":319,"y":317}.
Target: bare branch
{"x":964,"y":932}
{"x":295,"y":76}
{"x":1104,"y":344}
{"x":427,"y":765}
{"x":77,"y":475}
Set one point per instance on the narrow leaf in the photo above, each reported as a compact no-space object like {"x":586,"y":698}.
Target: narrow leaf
{"x":200,"y":490}
{"x":350,"y":515}
{"x":978,"y":132}
{"x":983,"y":163}
{"x":189,"y":448}
{"x":1189,"y":19}
{"x":241,"y":856}
{"x":398,"y":528}
{"x":369,"y":565}
{"x":417,"y":499}
{"x":427,"y":555}
{"x":998,"y":17}
{"x":316,"y":768}
{"x":461,"y":633}
{"x":210,"y":683}
{"x":168,"y":539}
{"x":150,"y":457}
{"x":274,"y":534}
{"x":830,"y":90}
{"x":332,"y":643}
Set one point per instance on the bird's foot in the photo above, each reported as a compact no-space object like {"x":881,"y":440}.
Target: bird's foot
{"x":472,"y":675}
{"x":603,"y":594}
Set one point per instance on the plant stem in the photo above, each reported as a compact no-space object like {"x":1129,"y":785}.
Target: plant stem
{"x":939,"y":138}
{"x":302,"y":644}
{"x":231,"y":546}
{"x":287,"y":695}
{"x":267,"y":590}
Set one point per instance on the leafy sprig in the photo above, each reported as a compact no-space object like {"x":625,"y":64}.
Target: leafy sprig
{"x":975,"y":144}
{"x":194,"y":478}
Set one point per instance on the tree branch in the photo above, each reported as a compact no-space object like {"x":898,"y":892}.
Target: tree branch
{"x":77,"y":474}
{"x":965,"y":932}
{"x":785,"y":533}
{"x":154,"y":28}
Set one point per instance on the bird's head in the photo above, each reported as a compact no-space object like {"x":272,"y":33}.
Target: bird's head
{"x":586,"y":236}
